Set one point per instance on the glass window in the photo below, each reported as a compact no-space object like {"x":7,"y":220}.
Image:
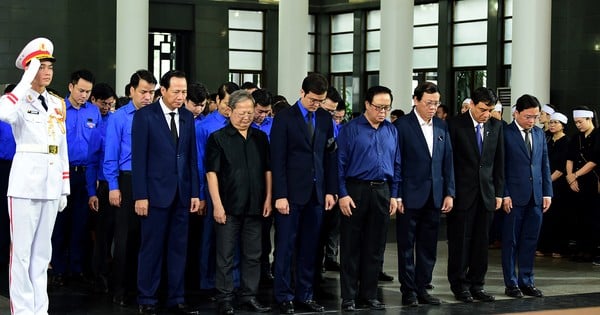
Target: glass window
{"x":245,"y":40}
{"x":426,"y":14}
{"x":373,"y":40}
{"x":424,"y":58}
{"x":341,"y":63}
{"x":373,"y":61}
{"x":342,"y":23}
{"x":374,"y":20}
{"x":471,"y":32}
{"x":508,"y":8}
{"x":312,"y":42}
{"x":249,"y":20}
{"x":508,"y":53}
{"x":425,"y":36}
{"x":245,"y":60}
{"x":467,"y":56}
{"x":467,"y":10}
{"x":508,"y":29}
{"x":342,"y":42}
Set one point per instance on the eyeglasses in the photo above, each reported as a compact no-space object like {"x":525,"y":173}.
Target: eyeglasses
{"x":316,"y":101}
{"x":432,"y":103}
{"x":381,"y":108}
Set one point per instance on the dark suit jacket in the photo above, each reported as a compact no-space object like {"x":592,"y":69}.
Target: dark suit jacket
{"x":160,"y":169}
{"x":295,"y":163}
{"x":421,"y":172}
{"x":477,"y":175}
{"x":526,"y":175}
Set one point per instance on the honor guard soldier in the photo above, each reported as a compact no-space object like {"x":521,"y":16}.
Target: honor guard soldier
{"x":39,"y":178}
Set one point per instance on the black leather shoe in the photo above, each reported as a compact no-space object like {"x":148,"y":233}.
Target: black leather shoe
{"x":147,"y":309}
{"x":348,"y":306}
{"x":311,"y":306}
{"x":385,"y":277}
{"x":531,"y":291}
{"x":373,"y":304}
{"x":225,"y":308}
{"x":513,"y":292}
{"x":429,"y":286}
{"x":254,"y":306}
{"x":409,"y":300}
{"x":426,"y":298}
{"x":464,"y":296}
{"x":119,"y":300}
{"x":183,"y":309}
{"x":286,"y":307}
{"x":332,"y":266}
{"x":481,"y":295}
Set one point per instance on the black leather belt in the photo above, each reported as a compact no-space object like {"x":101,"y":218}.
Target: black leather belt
{"x":124,"y":173}
{"x":77,"y":168}
{"x":367,"y":182}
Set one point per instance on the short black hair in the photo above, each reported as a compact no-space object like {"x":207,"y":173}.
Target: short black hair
{"x":262,"y":97}
{"x":165,"y":81}
{"x":102,"y":91}
{"x":315,"y":83}
{"x":82,"y":74}
{"x":378,"y":89}
{"x":121,"y":101}
{"x":333,"y":95}
{"x":444,"y":108}
{"x":141,"y":74}
{"x":227,"y":88}
{"x":425,"y":87}
{"x":249,"y":85}
{"x":341,"y":106}
{"x":484,"y":95}
{"x":397,"y":112}
{"x":279,"y":103}
{"x":526,"y":101}
{"x":196,"y":92}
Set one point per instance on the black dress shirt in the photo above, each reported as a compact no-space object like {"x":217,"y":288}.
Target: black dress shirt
{"x":240,"y":164}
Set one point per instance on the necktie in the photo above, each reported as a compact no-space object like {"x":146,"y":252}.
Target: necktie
{"x":43,"y":100}
{"x":527,"y":141}
{"x":310,"y":126}
{"x":479,"y":138}
{"x":173,"y":128}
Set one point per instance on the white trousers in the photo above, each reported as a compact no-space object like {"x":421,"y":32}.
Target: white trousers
{"x":31,"y":225}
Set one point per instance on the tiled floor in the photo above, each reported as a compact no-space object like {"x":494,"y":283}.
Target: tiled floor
{"x":566,"y":285}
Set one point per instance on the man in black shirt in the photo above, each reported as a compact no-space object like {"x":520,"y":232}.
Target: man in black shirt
{"x":237,"y":165}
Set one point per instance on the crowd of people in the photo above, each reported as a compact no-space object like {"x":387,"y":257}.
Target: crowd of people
{"x":172,"y":188}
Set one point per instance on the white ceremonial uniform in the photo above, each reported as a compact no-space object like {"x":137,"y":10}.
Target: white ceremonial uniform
{"x":38,"y":185}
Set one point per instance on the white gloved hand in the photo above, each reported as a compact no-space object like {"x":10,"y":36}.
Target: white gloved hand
{"x":62,"y":203}
{"x":25,"y":83}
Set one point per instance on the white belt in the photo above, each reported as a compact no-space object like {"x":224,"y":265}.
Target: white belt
{"x":37,"y":148}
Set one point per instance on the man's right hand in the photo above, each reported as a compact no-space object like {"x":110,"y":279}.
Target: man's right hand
{"x":282,"y":205}
{"x":114,"y":197}
{"x":346,"y":205}
{"x":141,"y":207}
{"x":93,"y":203}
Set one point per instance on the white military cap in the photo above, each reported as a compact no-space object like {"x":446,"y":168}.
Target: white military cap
{"x":560,"y":117}
{"x":40,"y":48}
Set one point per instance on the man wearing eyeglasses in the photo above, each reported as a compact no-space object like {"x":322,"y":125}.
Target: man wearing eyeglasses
{"x":527,"y":194}
{"x":368,"y":176}
{"x":304,"y":182}
{"x":425,"y":192}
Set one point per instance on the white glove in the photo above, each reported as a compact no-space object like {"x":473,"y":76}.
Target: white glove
{"x":25,"y":83}
{"x":62,"y":203}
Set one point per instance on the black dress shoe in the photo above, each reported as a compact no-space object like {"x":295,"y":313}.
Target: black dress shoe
{"x":409,"y":300}
{"x":332,"y":266}
{"x":311,"y":306}
{"x":119,"y":300}
{"x":385,"y":277}
{"x":147,"y":309}
{"x":373,"y":304}
{"x":513,"y":292}
{"x":429,"y":286}
{"x":225,"y":308}
{"x":254,"y":306}
{"x":531,"y":290}
{"x":426,"y":298}
{"x":464,"y":296}
{"x":183,"y":309}
{"x":348,"y":306}
{"x":286,"y":307}
{"x":481,"y":295}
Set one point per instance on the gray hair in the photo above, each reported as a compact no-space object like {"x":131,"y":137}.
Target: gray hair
{"x":239,"y":96}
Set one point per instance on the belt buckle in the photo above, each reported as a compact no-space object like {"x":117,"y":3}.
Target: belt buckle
{"x":52,"y":149}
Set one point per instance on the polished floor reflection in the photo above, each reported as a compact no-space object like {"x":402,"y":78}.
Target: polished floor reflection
{"x":566,"y":284}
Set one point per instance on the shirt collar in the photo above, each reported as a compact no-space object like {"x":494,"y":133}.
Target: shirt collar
{"x":475,"y":122}
{"x":422,"y":122}
{"x":303,"y":110}
{"x":165,"y":109}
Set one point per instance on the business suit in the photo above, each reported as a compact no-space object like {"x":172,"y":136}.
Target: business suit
{"x":304,"y":170}
{"x":480,"y":181}
{"x":426,"y":179}
{"x":164,"y":173}
{"x":527,"y":181}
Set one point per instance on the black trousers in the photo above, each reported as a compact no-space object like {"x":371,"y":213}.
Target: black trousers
{"x":105,"y":227}
{"x":246,"y":229}
{"x":4,"y":219}
{"x":468,"y":232}
{"x":127,"y":240}
{"x":362,"y":239}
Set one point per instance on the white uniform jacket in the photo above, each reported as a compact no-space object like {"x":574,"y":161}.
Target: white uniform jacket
{"x":40,"y":168}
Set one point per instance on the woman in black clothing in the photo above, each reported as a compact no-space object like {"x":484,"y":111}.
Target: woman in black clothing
{"x":554,"y":236}
{"x":582,"y":178}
